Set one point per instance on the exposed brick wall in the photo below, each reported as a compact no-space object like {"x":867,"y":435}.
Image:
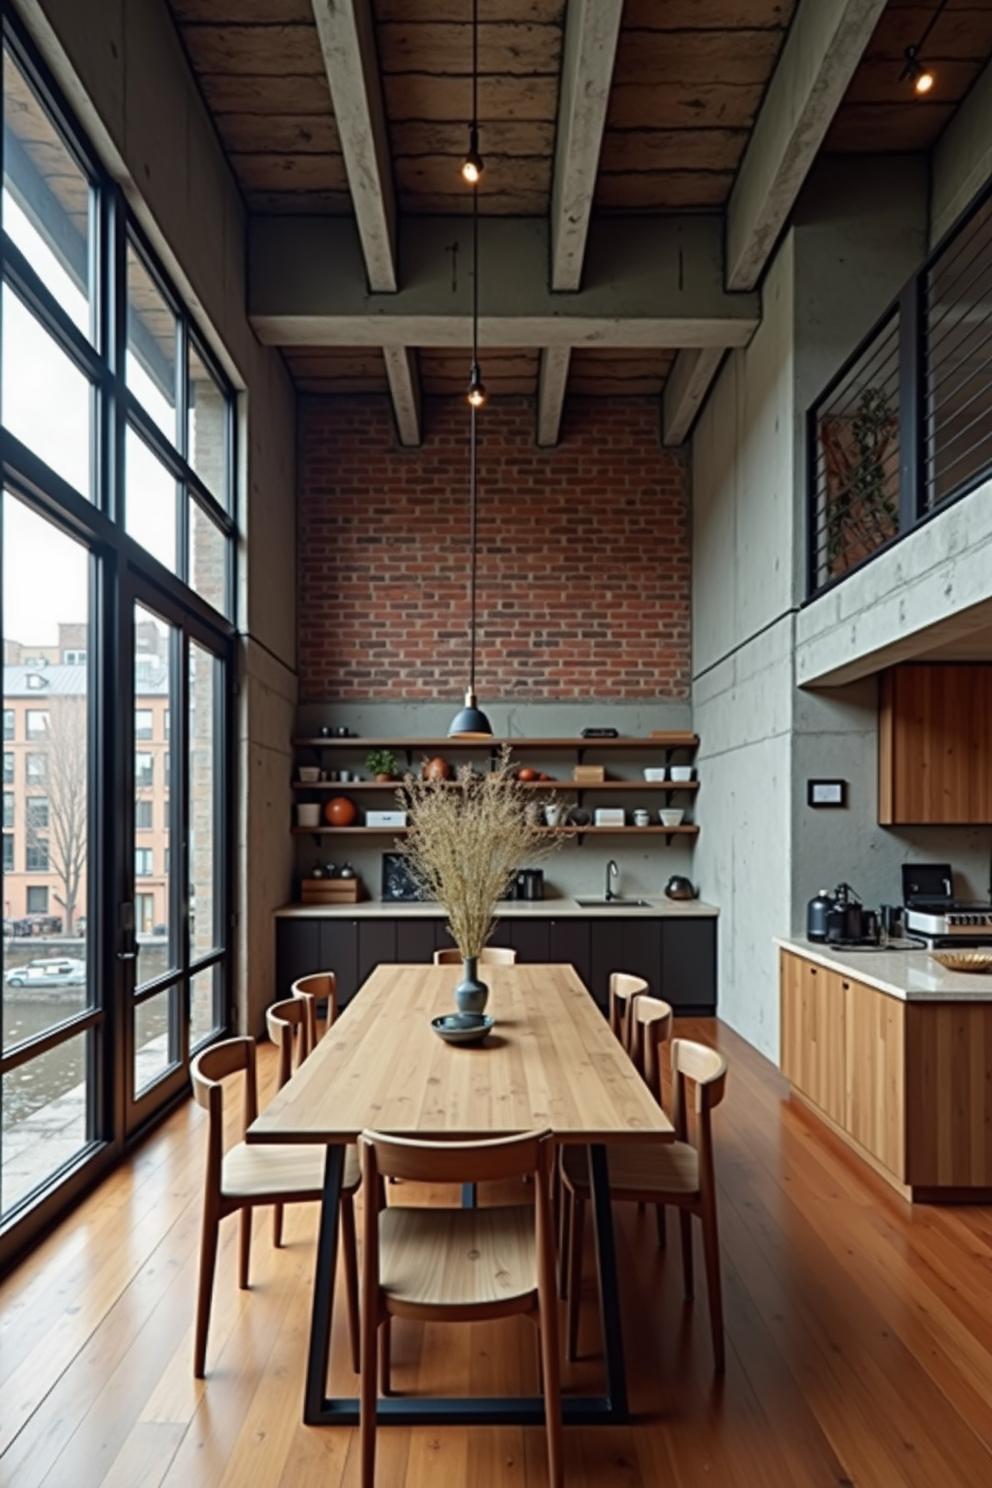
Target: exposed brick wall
{"x":584,"y":563}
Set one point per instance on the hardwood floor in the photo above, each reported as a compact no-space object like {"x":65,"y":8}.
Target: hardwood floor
{"x":859,"y":1338}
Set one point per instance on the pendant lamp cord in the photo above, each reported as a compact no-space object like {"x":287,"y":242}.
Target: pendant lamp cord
{"x":473,"y":433}
{"x":926,"y":33}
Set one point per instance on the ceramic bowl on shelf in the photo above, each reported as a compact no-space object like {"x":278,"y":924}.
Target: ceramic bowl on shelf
{"x":669,"y":817}
{"x":682,"y":772}
{"x":656,"y":773}
{"x":308,"y":774}
{"x":462,"y":1028}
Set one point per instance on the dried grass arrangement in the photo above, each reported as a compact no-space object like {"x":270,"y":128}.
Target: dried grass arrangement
{"x":467,"y":840}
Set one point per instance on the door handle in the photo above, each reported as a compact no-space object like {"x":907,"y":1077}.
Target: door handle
{"x":127,"y":955}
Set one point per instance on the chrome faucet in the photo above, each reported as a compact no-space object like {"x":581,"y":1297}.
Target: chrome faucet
{"x":612,"y":872}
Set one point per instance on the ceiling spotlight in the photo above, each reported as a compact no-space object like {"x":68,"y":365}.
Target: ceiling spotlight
{"x":473,"y":165}
{"x":917,"y":72}
{"x":476,"y":387}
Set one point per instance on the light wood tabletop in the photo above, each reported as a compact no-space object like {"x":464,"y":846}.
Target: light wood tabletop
{"x":551,"y":1063}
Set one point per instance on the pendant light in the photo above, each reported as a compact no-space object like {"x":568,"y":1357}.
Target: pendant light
{"x":470,"y":722}
{"x":916,"y":70}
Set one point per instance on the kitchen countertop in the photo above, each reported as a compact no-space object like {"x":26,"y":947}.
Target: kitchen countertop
{"x":658,"y":907}
{"x":910,"y":975}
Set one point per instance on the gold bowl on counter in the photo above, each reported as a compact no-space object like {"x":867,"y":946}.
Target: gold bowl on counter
{"x":973,"y":961}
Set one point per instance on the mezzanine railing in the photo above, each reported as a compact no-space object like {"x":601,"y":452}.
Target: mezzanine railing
{"x":905,"y":426}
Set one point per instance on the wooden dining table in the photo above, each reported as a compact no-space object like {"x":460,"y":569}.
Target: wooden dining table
{"x":551,"y":1063}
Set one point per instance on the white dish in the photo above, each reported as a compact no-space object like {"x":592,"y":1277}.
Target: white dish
{"x":682,"y":772}
{"x":670,"y":817}
{"x":656,"y":773}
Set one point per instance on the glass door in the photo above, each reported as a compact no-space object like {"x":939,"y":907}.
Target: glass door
{"x":51,"y":1015}
{"x":172,"y":925}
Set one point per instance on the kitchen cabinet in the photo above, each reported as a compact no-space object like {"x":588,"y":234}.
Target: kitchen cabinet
{"x":677,"y":957}
{"x":813,"y":1034}
{"x":935,"y":745}
{"x":907,"y":1084}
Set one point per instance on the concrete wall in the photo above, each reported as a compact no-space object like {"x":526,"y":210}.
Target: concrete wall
{"x":962,"y":161}
{"x":857,"y":236}
{"x":124,"y":70}
{"x":645,"y":867}
{"x":743,"y":525}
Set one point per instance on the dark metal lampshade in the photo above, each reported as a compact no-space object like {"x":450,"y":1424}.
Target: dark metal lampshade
{"x":470,"y":722}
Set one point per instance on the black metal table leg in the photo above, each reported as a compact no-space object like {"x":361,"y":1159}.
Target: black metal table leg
{"x":609,"y":1409}
{"x":609,"y":1294}
{"x":319,"y":1353}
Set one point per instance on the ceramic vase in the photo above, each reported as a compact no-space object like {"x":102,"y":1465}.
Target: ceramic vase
{"x":471,"y":995}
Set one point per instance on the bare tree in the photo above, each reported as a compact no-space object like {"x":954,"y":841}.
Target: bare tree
{"x":67,"y":793}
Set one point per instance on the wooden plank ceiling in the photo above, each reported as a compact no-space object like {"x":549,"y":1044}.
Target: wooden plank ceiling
{"x":880,"y":112}
{"x":689,"y":80}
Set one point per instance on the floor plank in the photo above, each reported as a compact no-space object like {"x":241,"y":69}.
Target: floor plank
{"x":859,"y":1338}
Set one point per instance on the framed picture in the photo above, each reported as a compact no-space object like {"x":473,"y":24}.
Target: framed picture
{"x":826,"y":792}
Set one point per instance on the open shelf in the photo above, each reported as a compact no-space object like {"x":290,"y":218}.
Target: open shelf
{"x":340,"y":786}
{"x":673,"y":739}
{"x":688,"y":829}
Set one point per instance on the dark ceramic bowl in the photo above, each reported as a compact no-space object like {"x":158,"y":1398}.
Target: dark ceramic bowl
{"x":462,"y":1028}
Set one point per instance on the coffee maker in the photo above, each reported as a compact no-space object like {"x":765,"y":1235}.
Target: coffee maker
{"x":528,"y":884}
{"x":839,"y":918}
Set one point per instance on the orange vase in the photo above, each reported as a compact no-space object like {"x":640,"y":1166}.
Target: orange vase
{"x":340,"y":812}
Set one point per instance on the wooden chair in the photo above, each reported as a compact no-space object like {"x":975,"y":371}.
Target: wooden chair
{"x":243,"y":1178}
{"x":652,"y":1027}
{"x":457,"y":1265}
{"x":320,"y":986}
{"x":491,"y":956}
{"x":624,"y":988}
{"x":679,"y":1173}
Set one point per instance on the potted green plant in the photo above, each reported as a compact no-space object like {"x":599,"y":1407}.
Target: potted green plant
{"x":465,"y":847}
{"x":381,"y":765}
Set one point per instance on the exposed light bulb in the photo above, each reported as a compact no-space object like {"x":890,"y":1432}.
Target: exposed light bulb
{"x":925,"y":81}
{"x":473,"y":165}
{"x":476,"y":388}
{"x":921,"y":76}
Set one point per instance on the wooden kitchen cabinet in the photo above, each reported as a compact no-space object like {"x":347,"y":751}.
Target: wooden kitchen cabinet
{"x":935,"y":745}
{"x":813,"y":1033}
{"x":874,"y":1083}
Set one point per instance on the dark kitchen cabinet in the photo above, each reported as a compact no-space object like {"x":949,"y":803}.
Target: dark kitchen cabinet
{"x":529,"y":938}
{"x":568,"y":944}
{"x":623,"y":945}
{"x":677,"y":957}
{"x":688,"y":964}
{"x":416,"y":940}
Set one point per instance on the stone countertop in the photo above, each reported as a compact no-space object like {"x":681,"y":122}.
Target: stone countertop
{"x":657,"y":907}
{"x":909,"y":974}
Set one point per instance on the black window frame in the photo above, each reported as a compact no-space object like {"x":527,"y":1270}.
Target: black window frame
{"x":97,"y":519}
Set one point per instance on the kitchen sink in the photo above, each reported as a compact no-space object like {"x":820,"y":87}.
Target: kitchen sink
{"x":615,"y":903}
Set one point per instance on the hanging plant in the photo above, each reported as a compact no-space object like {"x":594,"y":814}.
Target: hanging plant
{"x":862,"y":497}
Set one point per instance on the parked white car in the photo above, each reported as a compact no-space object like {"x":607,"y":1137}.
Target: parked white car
{"x":51,"y":971}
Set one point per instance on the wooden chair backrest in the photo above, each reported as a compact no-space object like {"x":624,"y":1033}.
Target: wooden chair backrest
{"x":623,"y":988}
{"x":288,"y":1024}
{"x":531,"y":1153}
{"x":232,"y":1056}
{"x":317,"y":987}
{"x":491,"y":956}
{"x":652,"y":1029}
{"x":701,"y":1072}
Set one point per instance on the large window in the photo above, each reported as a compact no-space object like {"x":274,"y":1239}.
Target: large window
{"x":118,"y":540}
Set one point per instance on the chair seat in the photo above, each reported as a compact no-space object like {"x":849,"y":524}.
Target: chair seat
{"x":670,"y":1167}
{"x":255,"y":1172}
{"x":457,"y":1257}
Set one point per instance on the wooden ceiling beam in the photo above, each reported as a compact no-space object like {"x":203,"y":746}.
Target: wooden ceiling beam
{"x":825,"y":43}
{"x":592,"y":29}
{"x":685,"y":391}
{"x":404,"y":387}
{"x":551,"y":384}
{"x":657,"y":284}
{"x":347,"y":40}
